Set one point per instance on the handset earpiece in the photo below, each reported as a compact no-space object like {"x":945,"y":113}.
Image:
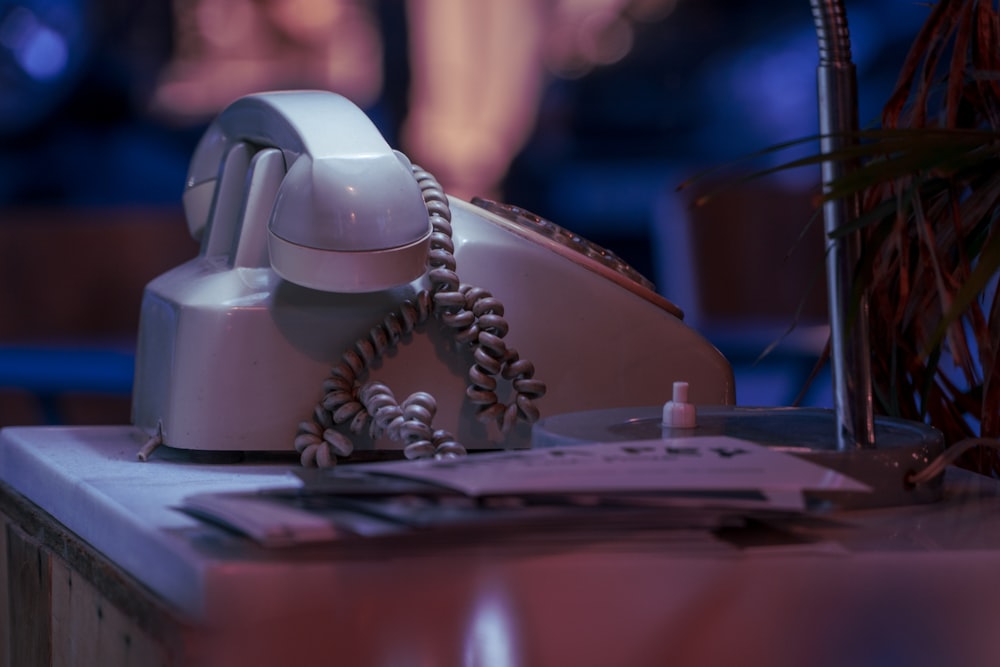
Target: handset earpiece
{"x":347,"y":217}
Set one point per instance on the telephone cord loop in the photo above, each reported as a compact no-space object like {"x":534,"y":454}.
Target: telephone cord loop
{"x":475,"y":318}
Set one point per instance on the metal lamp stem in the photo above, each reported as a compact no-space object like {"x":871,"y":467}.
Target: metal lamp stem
{"x":850,"y":351}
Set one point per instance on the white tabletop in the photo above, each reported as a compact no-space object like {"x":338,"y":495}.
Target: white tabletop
{"x":915,"y":585}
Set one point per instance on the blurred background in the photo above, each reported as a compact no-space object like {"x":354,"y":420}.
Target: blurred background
{"x":589,"y":113}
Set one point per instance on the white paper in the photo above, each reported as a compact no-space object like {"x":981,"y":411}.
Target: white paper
{"x":642,"y":466}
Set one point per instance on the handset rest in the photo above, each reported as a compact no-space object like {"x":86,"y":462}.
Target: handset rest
{"x":348,"y":215}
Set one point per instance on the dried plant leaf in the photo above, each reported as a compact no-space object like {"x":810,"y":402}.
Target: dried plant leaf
{"x":929,"y":185}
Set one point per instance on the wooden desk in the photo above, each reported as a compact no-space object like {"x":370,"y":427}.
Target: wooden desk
{"x":66,"y":604}
{"x":99,"y":569}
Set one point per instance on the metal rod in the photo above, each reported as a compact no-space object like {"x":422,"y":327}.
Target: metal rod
{"x":850,"y":350}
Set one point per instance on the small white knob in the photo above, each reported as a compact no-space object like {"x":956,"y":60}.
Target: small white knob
{"x":678,"y":413}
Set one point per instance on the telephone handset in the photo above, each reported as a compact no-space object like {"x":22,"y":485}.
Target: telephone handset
{"x":344,"y":212}
{"x":334,"y":276}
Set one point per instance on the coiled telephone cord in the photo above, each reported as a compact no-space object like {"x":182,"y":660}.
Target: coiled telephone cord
{"x":475,"y":317}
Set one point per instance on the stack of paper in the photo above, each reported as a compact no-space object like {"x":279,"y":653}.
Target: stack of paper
{"x":704,"y":482}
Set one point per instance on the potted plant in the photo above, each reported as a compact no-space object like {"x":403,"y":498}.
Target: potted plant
{"x":926,"y":186}
{"x":929,"y":182}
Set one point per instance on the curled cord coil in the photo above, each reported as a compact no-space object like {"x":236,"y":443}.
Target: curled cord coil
{"x":949,"y":456}
{"x":475,"y":318}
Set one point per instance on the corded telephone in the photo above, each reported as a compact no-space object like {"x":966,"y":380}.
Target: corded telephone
{"x":341,"y":302}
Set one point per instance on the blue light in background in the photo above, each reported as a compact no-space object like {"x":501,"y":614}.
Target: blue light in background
{"x":44,"y":46}
{"x":38,"y":49}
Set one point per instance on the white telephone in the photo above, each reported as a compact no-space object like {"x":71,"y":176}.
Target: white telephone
{"x":342,"y":303}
